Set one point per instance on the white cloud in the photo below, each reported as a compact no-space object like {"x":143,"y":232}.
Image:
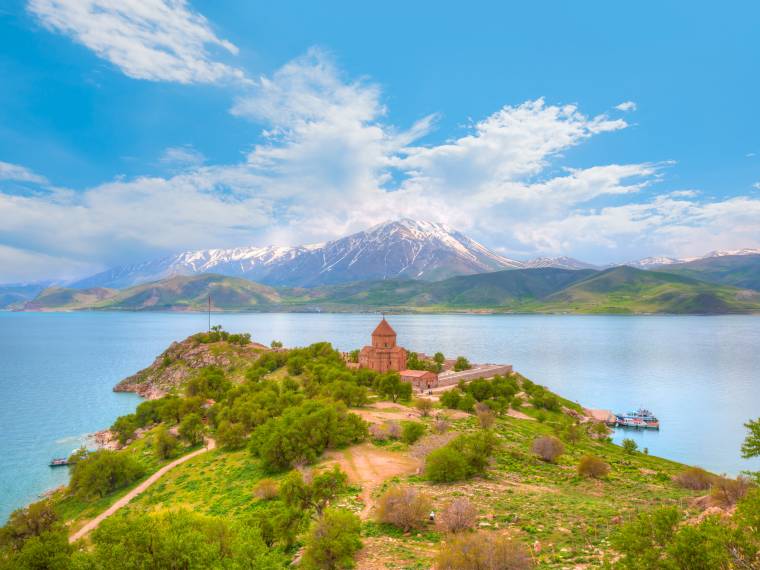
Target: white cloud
{"x":756,"y":186}
{"x":328,"y":163}
{"x":158,"y":40}
{"x":626,"y":106}
{"x":182,"y":156}
{"x":18,"y":173}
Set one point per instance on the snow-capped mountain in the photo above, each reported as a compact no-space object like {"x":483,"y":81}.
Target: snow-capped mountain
{"x":652,"y":262}
{"x":398,"y":249}
{"x":727,"y":252}
{"x":659,"y":261}
{"x":558,"y":263}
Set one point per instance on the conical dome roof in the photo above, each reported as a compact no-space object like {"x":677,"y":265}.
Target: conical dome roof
{"x":384,"y":329}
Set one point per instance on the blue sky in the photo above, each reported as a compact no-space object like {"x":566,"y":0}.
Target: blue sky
{"x":131,"y":129}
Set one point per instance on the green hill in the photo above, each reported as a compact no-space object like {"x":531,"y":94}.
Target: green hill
{"x":618,"y":290}
{"x":741,"y":271}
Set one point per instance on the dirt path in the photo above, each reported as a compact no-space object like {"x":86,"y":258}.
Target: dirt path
{"x":369,"y":466}
{"x":93,"y":524}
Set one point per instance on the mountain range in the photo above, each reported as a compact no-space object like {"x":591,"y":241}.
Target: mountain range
{"x":404,"y":263}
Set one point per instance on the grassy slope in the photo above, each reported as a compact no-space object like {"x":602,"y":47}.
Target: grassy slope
{"x":618,"y":290}
{"x":735,"y":270}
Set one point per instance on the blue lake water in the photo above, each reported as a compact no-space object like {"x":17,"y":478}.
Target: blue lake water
{"x":700,"y":375}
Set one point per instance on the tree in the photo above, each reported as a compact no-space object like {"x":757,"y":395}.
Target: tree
{"x":27,"y":522}
{"x":457,"y":516}
{"x":486,"y":417}
{"x":103,"y":472}
{"x":411,"y":431}
{"x":630,"y":446}
{"x":391,"y":386}
{"x":424,"y":406}
{"x":275,"y":344}
{"x":548,"y":448}
{"x":439,"y":359}
{"x":483,"y":550}
{"x":461,"y":364}
{"x":48,"y":551}
{"x":751,"y":445}
{"x":404,"y":506}
{"x":314,"y":493}
{"x":192,"y":429}
{"x":164,"y":443}
{"x":230,"y":435}
{"x":591,"y":466}
{"x":333,"y":541}
{"x":124,"y":427}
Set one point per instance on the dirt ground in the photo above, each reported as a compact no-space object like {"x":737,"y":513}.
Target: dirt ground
{"x":369,"y":466}
{"x":381,"y":412}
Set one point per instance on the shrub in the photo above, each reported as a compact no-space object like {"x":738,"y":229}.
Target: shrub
{"x":599,"y":430}
{"x":451,"y":398}
{"x":411,"y":431}
{"x":441,"y":425}
{"x":378,"y":432}
{"x":266,"y":490}
{"x":390,"y":386}
{"x":394,"y":430}
{"x":467,"y":403}
{"x":591,"y":466}
{"x":483,"y":551}
{"x":548,"y":448}
{"x":461,"y":364}
{"x":230,"y":435}
{"x":27,"y":522}
{"x":164,"y":443}
{"x":332,"y":542}
{"x":727,"y":492}
{"x":103,"y":472}
{"x":445,"y":465}
{"x":486,"y":417}
{"x":424,"y":406}
{"x":630,"y":446}
{"x":694,"y":478}
{"x":457,"y":516}
{"x":403,"y":506}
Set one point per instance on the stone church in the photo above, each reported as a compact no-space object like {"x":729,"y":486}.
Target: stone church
{"x":383,"y":355}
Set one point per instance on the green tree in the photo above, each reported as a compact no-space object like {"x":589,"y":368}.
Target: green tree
{"x":333,"y":541}
{"x":191,"y":428}
{"x":315,"y":494}
{"x":751,"y":445}
{"x":103,"y":472}
{"x":461,"y":364}
{"x":230,"y":435}
{"x":48,"y":551}
{"x":630,"y":446}
{"x":164,"y":443}
{"x":445,"y":465}
{"x":392,"y":387}
{"x":27,"y":522}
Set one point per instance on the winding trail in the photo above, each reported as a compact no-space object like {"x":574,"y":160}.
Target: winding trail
{"x":93,"y":524}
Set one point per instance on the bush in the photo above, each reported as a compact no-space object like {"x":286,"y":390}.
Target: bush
{"x":467,"y":403}
{"x":230,"y":435}
{"x":548,"y":448}
{"x":727,"y":492}
{"x":332,"y":541}
{"x":457,"y":516}
{"x":483,"y":550}
{"x":164,"y":443}
{"x":424,"y":406}
{"x":266,"y":490}
{"x":390,"y":386}
{"x":411,"y":431}
{"x":591,"y":466}
{"x":445,"y":465}
{"x":103,"y":472}
{"x":450,"y":398}
{"x":630,"y":446}
{"x":403,"y":506}
{"x":461,"y":364}
{"x":27,"y":522}
{"x":486,"y":417}
{"x":694,"y":478}
{"x":440,"y":426}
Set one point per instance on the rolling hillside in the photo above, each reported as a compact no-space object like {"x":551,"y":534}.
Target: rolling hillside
{"x":736,"y":270}
{"x":620,"y":290}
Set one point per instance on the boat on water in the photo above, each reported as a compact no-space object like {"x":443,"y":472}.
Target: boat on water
{"x":75,"y":456}
{"x":640,"y":419}
{"x":58,"y":462}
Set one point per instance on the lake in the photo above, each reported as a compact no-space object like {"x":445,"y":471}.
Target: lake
{"x":700,"y":375}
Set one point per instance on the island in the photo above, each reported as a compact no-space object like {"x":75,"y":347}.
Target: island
{"x":251,"y":456}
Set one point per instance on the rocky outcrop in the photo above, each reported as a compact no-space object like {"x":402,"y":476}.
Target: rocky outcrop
{"x":178,"y":363}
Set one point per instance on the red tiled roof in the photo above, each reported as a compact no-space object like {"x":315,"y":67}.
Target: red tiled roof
{"x":383,"y":329}
{"x":415,"y":373}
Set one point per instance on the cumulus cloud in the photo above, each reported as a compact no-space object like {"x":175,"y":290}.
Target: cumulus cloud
{"x":328,"y":162}
{"x":19,"y":173}
{"x":756,"y":186}
{"x":626,"y":106}
{"x":158,"y":40}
